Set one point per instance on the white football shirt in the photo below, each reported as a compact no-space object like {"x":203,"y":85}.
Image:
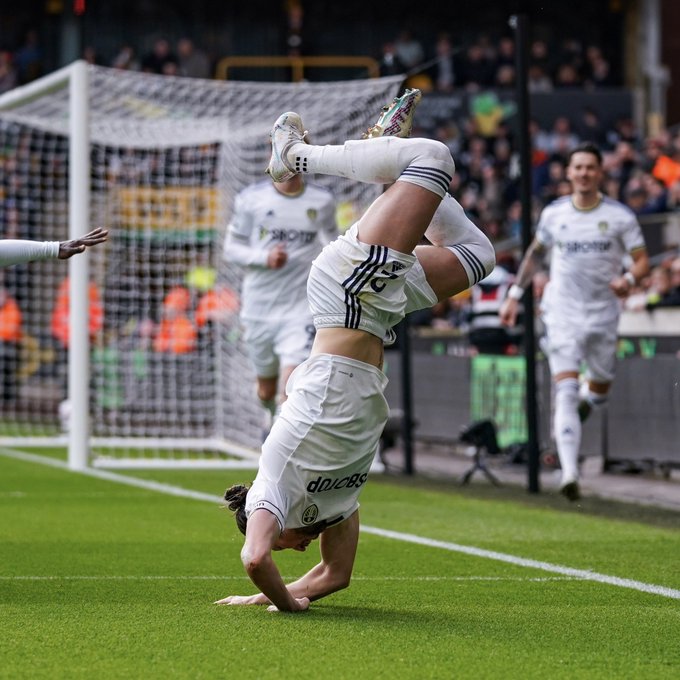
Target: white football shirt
{"x":588,"y":248}
{"x":262,"y":218}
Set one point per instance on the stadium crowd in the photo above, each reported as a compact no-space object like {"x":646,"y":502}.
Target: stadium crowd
{"x":642,"y":171}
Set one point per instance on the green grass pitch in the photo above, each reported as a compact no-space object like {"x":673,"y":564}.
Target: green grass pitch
{"x":104,"y":580}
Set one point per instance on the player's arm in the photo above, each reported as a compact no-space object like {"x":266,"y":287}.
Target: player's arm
{"x":532,"y":262}
{"x":623,"y":284}
{"x":237,"y":249}
{"x":18,"y":251}
{"x":261,"y":534}
{"x":338,"y":545}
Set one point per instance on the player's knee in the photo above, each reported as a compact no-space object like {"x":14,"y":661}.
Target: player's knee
{"x":439,"y":152}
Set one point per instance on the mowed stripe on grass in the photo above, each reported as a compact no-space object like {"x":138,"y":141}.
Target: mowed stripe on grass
{"x":127,"y":578}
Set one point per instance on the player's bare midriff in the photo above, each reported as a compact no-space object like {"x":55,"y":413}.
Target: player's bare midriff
{"x":351,"y":343}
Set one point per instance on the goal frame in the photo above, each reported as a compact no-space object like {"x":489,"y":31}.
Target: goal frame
{"x":76,"y":79}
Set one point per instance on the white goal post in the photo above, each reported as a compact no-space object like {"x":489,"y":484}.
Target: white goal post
{"x":157,"y":160}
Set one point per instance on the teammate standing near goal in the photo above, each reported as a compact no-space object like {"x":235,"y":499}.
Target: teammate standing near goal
{"x":317,"y":457}
{"x":18,"y":251}
{"x":275,"y":232}
{"x":589,"y":236}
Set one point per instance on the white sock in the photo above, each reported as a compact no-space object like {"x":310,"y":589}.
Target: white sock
{"x":567,"y":427}
{"x":382,"y":160}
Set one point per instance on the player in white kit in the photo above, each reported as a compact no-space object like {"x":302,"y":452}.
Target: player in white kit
{"x":589,"y":237}
{"x":275,"y":232}
{"x":317,"y":457}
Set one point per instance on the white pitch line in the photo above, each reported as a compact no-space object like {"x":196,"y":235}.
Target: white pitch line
{"x":147,"y":577}
{"x":583,"y":574}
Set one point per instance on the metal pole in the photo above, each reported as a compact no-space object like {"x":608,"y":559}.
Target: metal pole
{"x":520,"y":23}
{"x":79,"y":220}
{"x":406,"y":394}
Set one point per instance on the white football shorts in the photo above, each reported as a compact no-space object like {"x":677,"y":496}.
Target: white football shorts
{"x":572,"y":342}
{"x":317,"y":456}
{"x":274,"y":344}
{"x":367,"y":287}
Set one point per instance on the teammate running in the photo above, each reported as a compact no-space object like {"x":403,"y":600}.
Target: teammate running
{"x":276,"y":230}
{"x":589,"y":236}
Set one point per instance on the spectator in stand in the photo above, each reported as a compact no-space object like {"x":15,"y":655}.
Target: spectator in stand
{"x":8,"y":74}
{"x":635,"y":196}
{"x":540,"y":56}
{"x":176,"y":332}
{"x":665,"y":286}
{"x":160,"y":55}
{"x":653,"y":149}
{"x":561,"y":138}
{"x":657,"y":195}
{"x":590,"y":128}
{"x":390,"y":64}
{"x":505,"y":77}
{"x":10,"y":336}
{"x":408,"y":49}
{"x":219,"y":304}
{"x":443,"y":72}
{"x":538,"y":80}
{"x":571,"y":52}
{"x":487,"y":334}
{"x":645,"y":195}
{"x":91,"y":56}
{"x":667,"y":165}
{"x":567,"y":77}
{"x":59,"y":323}
{"x":505,"y":56}
{"x":601,"y":75}
{"x":621,"y":164}
{"x":674,"y":197}
{"x":623,"y":131}
{"x":192,"y":61}
{"x":674,"y":296}
{"x":296,"y":37}
{"x":28,"y":59}
{"x":597,"y":70}
{"x":60,"y":315}
{"x":475,"y":70}
{"x":126,"y":59}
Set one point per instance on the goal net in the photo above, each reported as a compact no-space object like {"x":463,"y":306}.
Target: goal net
{"x":136,"y":348}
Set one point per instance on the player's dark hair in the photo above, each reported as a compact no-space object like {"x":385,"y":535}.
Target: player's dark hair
{"x":586,"y":147}
{"x":236,"y":502}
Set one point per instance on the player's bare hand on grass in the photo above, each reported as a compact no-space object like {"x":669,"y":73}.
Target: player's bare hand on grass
{"x":242,"y":600}
{"x":70,"y":248}
{"x":302,"y":603}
